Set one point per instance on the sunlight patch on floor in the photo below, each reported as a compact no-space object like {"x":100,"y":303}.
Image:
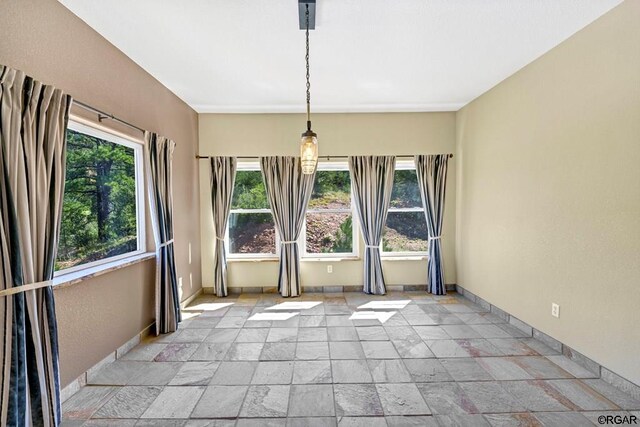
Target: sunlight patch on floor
{"x":209,"y":306}
{"x":188,"y":314}
{"x":272,"y":316}
{"x":385,"y":305}
{"x":295,"y":305}
{"x":381,"y":316}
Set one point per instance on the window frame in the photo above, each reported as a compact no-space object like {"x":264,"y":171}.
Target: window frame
{"x":249,"y":166}
{"x":403,"y":165}
{"x":105,"y":134}
{"x":355,"y":249}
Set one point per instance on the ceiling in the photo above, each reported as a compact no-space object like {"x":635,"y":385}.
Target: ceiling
{"x":241,"y":56}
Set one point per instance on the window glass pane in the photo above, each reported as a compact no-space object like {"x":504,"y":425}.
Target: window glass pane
{"x":249,"y":191}
{"x":405,"y":232}
{"x":99,"y":212}
{"x":252,"y":233}
{"x":329,"y":233}
{"x":331,"y":190}
{"x":406,"y":193}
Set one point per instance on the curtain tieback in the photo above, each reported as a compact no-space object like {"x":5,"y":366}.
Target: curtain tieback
{"x":167,"y":243}
{"x":435,"y":238}
{"x":24,"y":288}
{"x":372,"y":246}
{"x":219,"y":238}
{"x":288,"y":242}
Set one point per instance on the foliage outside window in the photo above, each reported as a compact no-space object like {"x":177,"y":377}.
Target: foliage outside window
{"x":406,"y":227}
{"x":101,"y":216}
{"x":251,"y":229}
{"x":329,"y":221}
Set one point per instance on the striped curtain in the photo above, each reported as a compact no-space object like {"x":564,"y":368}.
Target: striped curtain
{"x":33,"y":124}
{"x":223,"y":176}
{"x":288,"y":191}
{"x":432,"y":179}
{"x":158,"y":163}
{"x":371,"y":184}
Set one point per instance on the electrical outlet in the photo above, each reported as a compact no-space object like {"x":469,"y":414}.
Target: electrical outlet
{"x":329,"y":268}
{"x":555,"y":310}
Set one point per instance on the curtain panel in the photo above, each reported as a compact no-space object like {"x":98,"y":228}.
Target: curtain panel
{"x":288,"y":192}
{"x":432,"y":180}
{"x":371,"y":184}
{"x":158,"y":164}
{"x":223,"y":176}
{"x":33,"y":124}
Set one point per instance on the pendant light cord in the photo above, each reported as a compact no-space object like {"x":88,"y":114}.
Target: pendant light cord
{"x":306,"y":14}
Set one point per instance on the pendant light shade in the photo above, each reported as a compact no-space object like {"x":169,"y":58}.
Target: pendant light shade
{"x":309,"y":152}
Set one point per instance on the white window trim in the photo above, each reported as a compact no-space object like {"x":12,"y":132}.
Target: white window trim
{"x":254,"y":256}
{"x":404,"y":165}
{"x":73,"y":277}
{"x":355,"y":249}
{"x":137,"y":147}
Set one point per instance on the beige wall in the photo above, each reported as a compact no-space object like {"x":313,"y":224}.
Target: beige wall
{"x":549,"y":192}
{"x":338,"y":134}
{"x":97,"y":316}
{"x":51,"y":44}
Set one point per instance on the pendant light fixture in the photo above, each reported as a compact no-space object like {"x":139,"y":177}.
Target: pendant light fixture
{"x":309,"y":142}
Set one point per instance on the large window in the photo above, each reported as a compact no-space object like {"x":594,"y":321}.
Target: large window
{"x":252,"y":231}
{"x":406,"y":227}
{"x":102,"y":215}
{"x":328,"y":229}
{"x":329,"y":221}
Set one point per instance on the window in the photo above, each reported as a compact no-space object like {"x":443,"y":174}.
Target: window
{"x":328,"y":226}
{"x":406,"y":227}
{"x":329,"y":221}
{"x":103,"y":209}
{"x":251,"y":230}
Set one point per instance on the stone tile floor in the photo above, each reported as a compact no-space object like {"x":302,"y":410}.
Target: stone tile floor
{"x":436,"y":361}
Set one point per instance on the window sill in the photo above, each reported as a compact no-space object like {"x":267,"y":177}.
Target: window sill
{"x":302,"y":259}
{"x":404,"y":257}
{"x":69,"y":279}
{"x":331,"y":258}
{"x":265,"y":259}
{"x":334,"y":259}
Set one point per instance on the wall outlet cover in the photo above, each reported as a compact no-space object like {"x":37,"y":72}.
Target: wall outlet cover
{"x":555,"y":310}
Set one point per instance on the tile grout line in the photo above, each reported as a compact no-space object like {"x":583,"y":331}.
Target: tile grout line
{"x":333,"y":383}
{"x":244,"y":398}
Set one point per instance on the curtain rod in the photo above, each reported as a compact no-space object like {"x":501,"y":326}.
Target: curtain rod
{"x":102,"y":115}
{"x":320,"y":157}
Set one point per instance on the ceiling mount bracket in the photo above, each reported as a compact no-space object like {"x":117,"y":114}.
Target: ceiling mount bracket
{"x":312,"y":14}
